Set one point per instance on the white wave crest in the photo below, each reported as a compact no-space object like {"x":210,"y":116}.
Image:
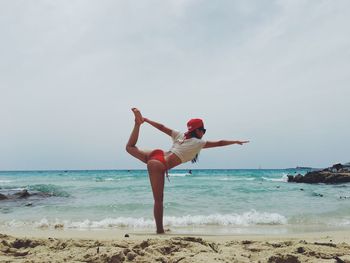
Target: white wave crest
{"x":179,"y":174}
{"x":246,"y":219}
{"x":341,"y":223}
{"x":5,"y":181}
{"x":284,"y":178}
{"x":111,"y":223}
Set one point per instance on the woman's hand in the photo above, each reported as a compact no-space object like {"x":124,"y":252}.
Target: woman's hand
{"x":242,"y":142}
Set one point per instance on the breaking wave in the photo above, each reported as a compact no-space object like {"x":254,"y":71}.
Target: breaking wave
{"x":246,"y":219}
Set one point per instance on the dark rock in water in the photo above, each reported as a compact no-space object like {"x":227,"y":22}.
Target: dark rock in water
{"x":337,"y":166}
{"x":324,"y":176}
{"x":23,"y":194}
{"x":3,"y":197}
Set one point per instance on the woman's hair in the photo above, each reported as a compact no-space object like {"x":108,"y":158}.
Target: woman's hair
{"x":194,"y":134}
{"x":195,"y":159}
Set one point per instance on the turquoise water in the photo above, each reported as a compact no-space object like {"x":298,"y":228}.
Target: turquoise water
{"x":233,"y":201}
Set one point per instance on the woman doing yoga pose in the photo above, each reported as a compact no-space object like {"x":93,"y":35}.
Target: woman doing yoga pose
{"x":186,"y":147}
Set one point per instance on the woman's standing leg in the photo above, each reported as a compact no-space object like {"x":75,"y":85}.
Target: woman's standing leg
{"x":155,"y":168}
{"x":156,"y":172}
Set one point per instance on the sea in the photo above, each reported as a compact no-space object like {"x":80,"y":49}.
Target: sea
{"x":215,"y":201}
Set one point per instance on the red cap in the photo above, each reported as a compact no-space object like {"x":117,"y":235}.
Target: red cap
{"x":193,"y":124}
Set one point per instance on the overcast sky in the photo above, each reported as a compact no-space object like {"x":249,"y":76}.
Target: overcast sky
{"x":274,"y":72}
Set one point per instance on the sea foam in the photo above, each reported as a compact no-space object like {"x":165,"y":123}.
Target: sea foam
{"x":245,"y":219}
{"x":284,"y":178}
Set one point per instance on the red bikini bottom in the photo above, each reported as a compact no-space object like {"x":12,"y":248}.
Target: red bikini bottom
{"x":158,"y":155}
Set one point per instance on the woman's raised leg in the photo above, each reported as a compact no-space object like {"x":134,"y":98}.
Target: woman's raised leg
{"x":156,"y":172}
{"x":131,"y":145}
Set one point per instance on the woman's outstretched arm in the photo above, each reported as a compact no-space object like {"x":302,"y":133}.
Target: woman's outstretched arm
{"x":211,"y":144}
{"x":159,"y":126}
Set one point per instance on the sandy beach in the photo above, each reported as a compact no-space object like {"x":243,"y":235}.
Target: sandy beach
{"x":113,"y":247}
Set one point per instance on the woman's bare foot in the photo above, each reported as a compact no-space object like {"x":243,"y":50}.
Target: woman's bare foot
{"x":163,"y":231}
{"x":138,"y":116}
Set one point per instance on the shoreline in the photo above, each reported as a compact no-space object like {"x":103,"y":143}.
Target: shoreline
{"x":341,"y":235}
{"x":113,"y":246}
{"x":195,"y":230}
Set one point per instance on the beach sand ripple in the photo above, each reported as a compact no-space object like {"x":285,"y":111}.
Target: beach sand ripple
{"x":170,"y":249}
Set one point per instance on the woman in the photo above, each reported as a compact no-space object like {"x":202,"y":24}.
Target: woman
{"x":186,"y":147}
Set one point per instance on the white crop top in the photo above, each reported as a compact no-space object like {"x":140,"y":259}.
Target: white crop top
{"x":185,"y":149}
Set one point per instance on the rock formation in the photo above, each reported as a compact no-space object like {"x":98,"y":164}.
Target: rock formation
{"x":324,"y":176}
